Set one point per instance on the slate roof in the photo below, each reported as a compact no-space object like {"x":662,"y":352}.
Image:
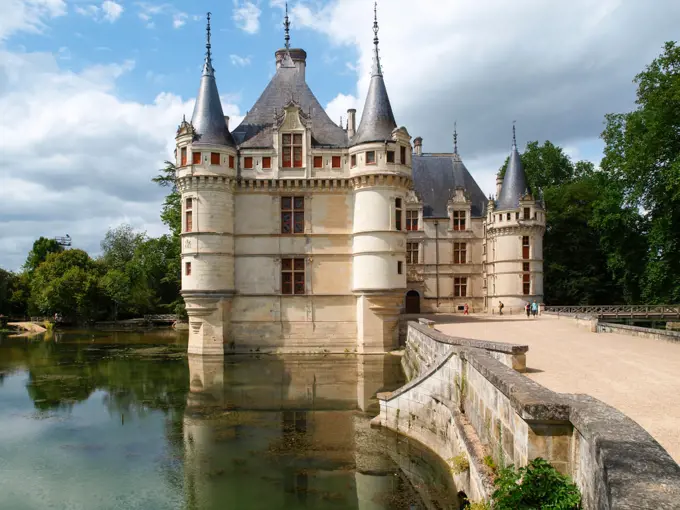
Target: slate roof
{"x":514,"y":183}
{"x":435,"y":177}
{"x":377,"y":119}
{"x":287,"y":84}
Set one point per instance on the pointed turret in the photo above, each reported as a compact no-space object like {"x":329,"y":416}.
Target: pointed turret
{"x":208,"y":117}
{"x":377,"y":119}
{"x":514,"y":181}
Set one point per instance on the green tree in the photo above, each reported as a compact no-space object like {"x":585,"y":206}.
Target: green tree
{"x":171,"y":214}
{"x":38,"y":254}
{"x":642,"y":151}
{"x":119,"y":245}
{"x":67,"y":283}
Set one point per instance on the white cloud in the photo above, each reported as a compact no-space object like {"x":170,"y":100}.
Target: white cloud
{"x":108,"y":11}
{"x":111,"y":10}
{"x":179,"y":19}
{"x":247,"y":16}
{"x":240,"y":61}
{"x":81,"y":159}
{"x":27,"y":16}
{"x":555,"y":67}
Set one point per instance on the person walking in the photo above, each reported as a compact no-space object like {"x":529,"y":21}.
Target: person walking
{"x":534,"y":308}
{"x":466,"y":309}
{"x":500,"y":307}
{"x":527,"y":309}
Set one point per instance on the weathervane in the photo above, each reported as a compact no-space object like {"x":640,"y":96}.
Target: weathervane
{"x":208,"y":68}
{"x":514,"y":135}
{"x":377,"y":69}
{"x":455,"y":138}
{"x":286,"y":25}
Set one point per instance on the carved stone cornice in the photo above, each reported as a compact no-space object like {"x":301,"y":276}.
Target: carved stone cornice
{"x":193,"y":182}
{"x":392,"y":180}
{"x":518,"y":230}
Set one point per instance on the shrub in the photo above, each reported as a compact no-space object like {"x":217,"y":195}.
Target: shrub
{"x":459,"y":463}
{"x":538,"y":485}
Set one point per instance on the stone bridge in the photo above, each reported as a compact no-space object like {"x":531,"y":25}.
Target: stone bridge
{"x":467,"y":397}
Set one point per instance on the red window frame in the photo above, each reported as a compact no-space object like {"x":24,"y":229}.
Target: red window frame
{"x":183,"y":156}
{"x":337,"y":162}
{"x":195,"y":158}
{"x":318,"y":161}
{"x":411,"y":220}
{"x":525,"y":247}
{"x":292,"y":215}
{"x":266,"y":162}
{"x":293,"y":276}
{"x":248,"y":162}
{"x":214,"y":158}
{"x":231,"y":161}
{"x":187,"y":268}
{"x":188,"y":215}
{"x":353,"y":161}
{"x":526,"y":284}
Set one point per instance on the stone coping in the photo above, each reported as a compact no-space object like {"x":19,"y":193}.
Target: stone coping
{"x":467,"y":342}
{"x":582,"y":316}
{"x":672,"y":335}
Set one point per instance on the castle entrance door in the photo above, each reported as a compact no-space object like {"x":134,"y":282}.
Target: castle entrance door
{"x":412,"y":304}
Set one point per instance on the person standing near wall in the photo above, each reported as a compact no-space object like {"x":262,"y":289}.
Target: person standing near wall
{"x":466,"y":309}
{"x":527,"y":309}
{"x":534,"y":308}
{"x":500,"y":307}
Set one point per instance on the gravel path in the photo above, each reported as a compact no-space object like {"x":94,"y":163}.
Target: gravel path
{"x":638,"y":376}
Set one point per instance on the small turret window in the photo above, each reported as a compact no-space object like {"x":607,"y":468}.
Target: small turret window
{"x":370,"y":158}
{"x":527,"y":213}
{"x":390,"y":156}
{"x":403,"y":155}
{"x":248,"y":162}
{"x":292,"y":150}
{"x":400,"y":267}
{"x":525,"y":247}
{"x":187,"y":268}
{"x":398,"y":210}
{"x":188,"y":215}
{"x":196,"y":158}
{"x":214,"y":158}
{"x":266,"y":162}
{"x":337,"y":163}
{"x":526,"y":284}
{"x":231,"y":161}
{"x":183,"y":160}
{"x":353,"y":160}
{"x":318,"y":161}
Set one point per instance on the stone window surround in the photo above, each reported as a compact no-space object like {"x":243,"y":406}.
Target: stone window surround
{"x":279,"y":270}
{"x":468,"y":217}
{"x":292,"y":133}
{"x":419,"y":250}
{"x":194,"y":212}
{"x":393,"y":216}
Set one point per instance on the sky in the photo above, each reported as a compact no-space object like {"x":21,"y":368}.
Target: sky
{"x":91,"y":93}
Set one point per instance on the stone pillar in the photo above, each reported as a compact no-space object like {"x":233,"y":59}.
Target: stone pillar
{"x":378,"y":322}
{"x":209,"y":323}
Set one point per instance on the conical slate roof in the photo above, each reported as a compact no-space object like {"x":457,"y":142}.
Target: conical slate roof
{"x":377,"y":119}
{"x":514,"y":182}
{"x":208,"y":117}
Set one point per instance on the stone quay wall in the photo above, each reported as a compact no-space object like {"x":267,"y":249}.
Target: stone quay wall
{"x":464,"y":398}
{"x":656,"y":334}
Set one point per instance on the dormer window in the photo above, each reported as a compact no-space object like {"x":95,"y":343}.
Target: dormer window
{"x":458,"y":220}
{"x":292,"y":150}
{"x":370,"y":158}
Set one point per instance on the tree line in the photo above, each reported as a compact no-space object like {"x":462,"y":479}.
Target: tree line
{"x":612,"y":233}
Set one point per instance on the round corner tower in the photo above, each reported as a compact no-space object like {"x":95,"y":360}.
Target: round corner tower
{"x":380,"y":172}
{"x":206,"y":173}
{"x":515,"y":225}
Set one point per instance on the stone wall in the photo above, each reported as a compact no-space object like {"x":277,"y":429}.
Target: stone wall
{"x":460,"y":399}
{"x":656,"y":334}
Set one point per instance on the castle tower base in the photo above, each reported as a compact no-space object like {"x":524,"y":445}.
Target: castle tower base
{"x":378,"y":322}
{"x":209,"y":323}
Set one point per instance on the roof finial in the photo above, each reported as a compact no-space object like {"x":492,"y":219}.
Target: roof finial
{"x":514,"y":136}
{"x":455,"y":138}
{"x":377,"y":69}
{"x":286,"y":25}
{"x":207,"y":67}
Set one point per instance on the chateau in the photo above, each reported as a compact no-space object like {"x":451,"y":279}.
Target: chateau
{"x":302,"y":235}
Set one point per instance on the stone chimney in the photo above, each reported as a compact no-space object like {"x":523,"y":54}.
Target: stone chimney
{"x":499,"y":185}
{"x":297,"y":55}
{"x":418,"y":146}
{"x":351,"y":122}
{"x":226,"y":121}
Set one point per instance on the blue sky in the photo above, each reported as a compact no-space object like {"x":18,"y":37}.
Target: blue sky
{"x":91,"y":92}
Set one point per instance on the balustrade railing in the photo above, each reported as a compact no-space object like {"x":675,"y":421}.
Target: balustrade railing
{"x":619,"y":310}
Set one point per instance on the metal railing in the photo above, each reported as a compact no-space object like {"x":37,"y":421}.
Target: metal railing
{"x":619,"y":310}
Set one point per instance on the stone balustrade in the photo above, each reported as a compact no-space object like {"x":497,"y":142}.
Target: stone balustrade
{"x":464,"y":397}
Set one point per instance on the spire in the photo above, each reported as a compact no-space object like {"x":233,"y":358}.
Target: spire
{"x":208,"y":117}
{"x":207,"y":66}
{"x":286,"y":26}
{"x":455,"y":138}
{"x":377,"y":119}
{"x":377,"y":68}
{"x":515,"y":180}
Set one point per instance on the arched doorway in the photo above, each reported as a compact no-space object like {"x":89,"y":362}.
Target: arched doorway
{"x":412,"y":304}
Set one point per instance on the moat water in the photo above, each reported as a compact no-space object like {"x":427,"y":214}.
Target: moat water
{"x":92,"y":420}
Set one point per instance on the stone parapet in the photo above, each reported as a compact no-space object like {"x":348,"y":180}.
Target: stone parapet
{"x":656,"y":334}
{"x":460,"y":399}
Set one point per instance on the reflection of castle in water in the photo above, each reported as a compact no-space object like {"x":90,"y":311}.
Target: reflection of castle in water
{"x":290,"y":432}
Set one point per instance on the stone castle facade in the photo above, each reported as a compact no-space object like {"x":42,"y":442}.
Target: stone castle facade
{"x":301,"y":235}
